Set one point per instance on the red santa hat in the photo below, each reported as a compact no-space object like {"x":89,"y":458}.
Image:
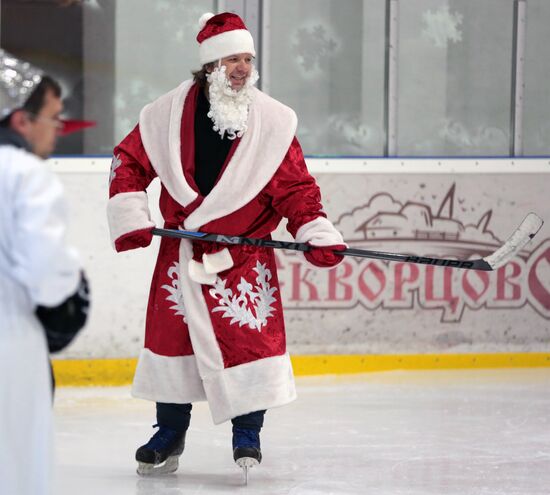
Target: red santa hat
{"x":223,"y":35}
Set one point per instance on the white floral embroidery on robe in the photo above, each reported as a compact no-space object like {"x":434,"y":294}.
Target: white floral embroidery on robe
{"x":176,"y":295}
{"x":238,"y":306}
{"x":115,"y":163}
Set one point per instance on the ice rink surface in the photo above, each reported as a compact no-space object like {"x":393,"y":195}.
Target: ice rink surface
{"x":472,"y":432}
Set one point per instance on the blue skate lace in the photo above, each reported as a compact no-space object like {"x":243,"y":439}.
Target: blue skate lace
{"x":245,"y":438}
{"x":162,"y":438}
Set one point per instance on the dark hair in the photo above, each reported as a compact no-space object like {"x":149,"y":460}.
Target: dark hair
{"x":36,"y":100}
{"x":199,"y":76}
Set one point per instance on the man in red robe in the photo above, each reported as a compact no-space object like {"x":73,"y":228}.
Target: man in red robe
{"x":229,"y":162}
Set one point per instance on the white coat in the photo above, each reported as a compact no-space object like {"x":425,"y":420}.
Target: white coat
{"x":36,"y":267}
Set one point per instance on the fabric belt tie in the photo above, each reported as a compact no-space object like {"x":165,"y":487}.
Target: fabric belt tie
{"x":212,"y":264}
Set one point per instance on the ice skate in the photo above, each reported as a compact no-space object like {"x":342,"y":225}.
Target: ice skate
{"x":160,"y":455}
{"x":246,"y":449}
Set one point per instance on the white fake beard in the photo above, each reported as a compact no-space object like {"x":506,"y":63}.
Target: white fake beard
{"x":229,"y":107}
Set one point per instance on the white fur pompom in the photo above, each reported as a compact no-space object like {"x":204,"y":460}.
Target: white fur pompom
{"x":204,"y":19}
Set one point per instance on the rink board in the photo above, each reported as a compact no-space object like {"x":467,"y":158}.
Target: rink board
{"x":117,"y":372}
{"x":364,"y":308}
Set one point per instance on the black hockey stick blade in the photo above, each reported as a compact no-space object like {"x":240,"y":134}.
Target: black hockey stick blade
{"x":518,"y":240}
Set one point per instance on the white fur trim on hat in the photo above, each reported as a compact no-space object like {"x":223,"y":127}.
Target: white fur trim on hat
{"x":204,"y":19}
{"x":226,"y":44}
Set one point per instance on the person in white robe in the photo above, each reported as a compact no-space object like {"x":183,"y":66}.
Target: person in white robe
{"x":39,"y":275}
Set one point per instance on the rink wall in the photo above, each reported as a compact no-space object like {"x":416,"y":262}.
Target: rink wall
{"x":363,"y":315}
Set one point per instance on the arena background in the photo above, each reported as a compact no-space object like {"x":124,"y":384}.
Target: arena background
{"x":424,"y":122}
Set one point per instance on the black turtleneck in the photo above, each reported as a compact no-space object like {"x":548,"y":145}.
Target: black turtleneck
{"x":210,"y":149}
{"x":8,"y":136}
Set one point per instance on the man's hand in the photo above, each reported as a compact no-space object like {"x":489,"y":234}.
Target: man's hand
{"x":133,"y":240}
{"x":324,"y":256}
{"x":62,"y":323}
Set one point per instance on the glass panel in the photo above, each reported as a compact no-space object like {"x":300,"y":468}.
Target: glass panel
{"x":455,"y":65}
{"x":536,"y":116}
{"x":326,"y":61}
{"x":166,"y":53}
{"x":112,"y":58}
{"x":52,"y":41}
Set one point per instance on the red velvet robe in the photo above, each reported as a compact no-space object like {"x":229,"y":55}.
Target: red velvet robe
{"x":215,"y":327}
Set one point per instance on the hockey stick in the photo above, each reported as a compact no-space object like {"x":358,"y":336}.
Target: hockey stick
{"x":521,"y":236}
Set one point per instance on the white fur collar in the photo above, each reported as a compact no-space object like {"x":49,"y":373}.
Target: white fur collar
{"x":271,"y":128}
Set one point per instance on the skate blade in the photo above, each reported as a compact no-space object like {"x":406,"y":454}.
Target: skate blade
{"x":246,"y":463}
{"x":170,"y":465}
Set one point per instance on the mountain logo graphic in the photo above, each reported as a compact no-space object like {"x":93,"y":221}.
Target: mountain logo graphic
{"x":414,"y":228}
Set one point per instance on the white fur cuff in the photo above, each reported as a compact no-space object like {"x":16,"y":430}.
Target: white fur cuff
{"x":128,"y":212}
{"x":319,"y":232}
{"x":217,"y":262}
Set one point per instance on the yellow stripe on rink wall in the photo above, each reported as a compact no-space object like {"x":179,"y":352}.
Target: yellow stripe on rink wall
{"x":356,"y":363}
{"x":112,"y":372}
{"x":93,"y":372}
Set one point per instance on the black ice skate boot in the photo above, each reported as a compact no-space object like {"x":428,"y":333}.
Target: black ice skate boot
{"x":246,"y":449}
{"x":161,"y":453}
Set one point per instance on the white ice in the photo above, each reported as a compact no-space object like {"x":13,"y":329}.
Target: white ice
{"x":483,"y":432}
